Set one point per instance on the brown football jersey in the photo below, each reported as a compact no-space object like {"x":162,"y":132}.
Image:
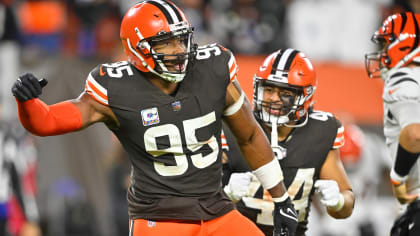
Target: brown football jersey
{"x":173,"y":141}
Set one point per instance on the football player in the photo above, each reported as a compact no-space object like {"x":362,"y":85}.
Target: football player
{"x":398,"y":65}
{"x":166,"y":104}
{"x":305,"y":142}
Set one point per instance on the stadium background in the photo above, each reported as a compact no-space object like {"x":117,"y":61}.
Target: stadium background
{"x":81,"y":176}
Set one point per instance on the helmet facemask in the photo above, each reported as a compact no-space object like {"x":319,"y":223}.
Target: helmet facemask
{"x":289,"y":109}
{"x":170,"y":67}
{"x":152,"y":22}
{"x":290,"y":72}
{"x":398,"y":37}
{"x":377,"y":63}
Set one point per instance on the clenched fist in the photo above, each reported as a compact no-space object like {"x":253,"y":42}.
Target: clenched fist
{"x":27,"y":87}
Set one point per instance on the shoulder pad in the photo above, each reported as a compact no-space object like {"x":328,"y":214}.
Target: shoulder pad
{"x":330,"y":122}
{"x":320,"y":115}
{"x":339,"y":138}
{"x":97,"y":85}
{"x":223,"y":58}
{"x":211,"y":50}
{"x":402,"y":85}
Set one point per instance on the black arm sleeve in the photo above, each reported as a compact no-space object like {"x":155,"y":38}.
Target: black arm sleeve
{"x":404,"y":161}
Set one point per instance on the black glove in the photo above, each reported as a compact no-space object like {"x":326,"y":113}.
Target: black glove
{"x":285,"y":218}
{"x":28,"y":87}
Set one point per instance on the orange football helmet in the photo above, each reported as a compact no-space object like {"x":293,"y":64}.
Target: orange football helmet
{"x":149,"y":22}
{"x":290,"y":70}
{"x":399,"y":40}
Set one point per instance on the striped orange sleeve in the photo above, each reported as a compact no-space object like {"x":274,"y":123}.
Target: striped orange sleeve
{"x":96,"y":91}
{"x":225,"y":145}
{"x":233,"y":68}
{"x":339,"y":139}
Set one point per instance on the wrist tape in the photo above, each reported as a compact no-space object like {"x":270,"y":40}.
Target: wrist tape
{"x":269,"y":174}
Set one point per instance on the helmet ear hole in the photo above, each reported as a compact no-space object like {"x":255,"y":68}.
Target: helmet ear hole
{"x":387,"y":60}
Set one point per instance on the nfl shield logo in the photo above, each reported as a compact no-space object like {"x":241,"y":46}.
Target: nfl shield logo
{"x":176,"y":106}
{"x":150,"y":116}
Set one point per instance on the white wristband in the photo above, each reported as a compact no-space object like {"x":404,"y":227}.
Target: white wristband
{"x":339,"y":205}
{"x":397,"y":179}
{"x":269,"y":174}
{"x":282,"y":198}
{"x":235,"y":107}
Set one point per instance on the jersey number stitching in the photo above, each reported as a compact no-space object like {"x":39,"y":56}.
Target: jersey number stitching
{"x":304,"y":177}
{"x":206,"y":51}
{"x":116,"y":69}
{"x":175,"y":140}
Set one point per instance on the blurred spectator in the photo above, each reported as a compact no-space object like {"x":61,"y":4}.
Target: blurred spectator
{"x":398,"y":6}
{"x":117,"y":166}
{"x":124,"y":5}
{"x":69,"y":213}
{"x":9,"y":58}
{"x":98,"y":26}
{"x":249,"y":26}
{"x":333,"y":30}
{"x":85,"y":28}
{"x":235,"y":24}
{"x":39,"y":31}
{"x":18,"y":164}
{"x":199,"y":13}
{"x":273,"y":29}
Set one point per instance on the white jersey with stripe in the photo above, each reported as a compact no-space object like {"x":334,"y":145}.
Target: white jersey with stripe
{"x":401,"y":97}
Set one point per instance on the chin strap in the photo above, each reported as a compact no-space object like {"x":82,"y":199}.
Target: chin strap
{"x":165,"y":76}
{"x":300,"y":124}
{"x":274,"y":141}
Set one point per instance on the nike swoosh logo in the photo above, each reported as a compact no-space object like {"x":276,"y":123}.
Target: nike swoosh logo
{"x":101,"y":73}
{"x":291,"y":214}
{"x":391,"y":91}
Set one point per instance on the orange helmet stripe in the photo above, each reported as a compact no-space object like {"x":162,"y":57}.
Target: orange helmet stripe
{"x":171,"y":13}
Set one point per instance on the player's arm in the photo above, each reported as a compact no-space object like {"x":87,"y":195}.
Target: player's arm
{"x":408,"y":150}
{"x":257,"y":152}
{"x":408,"y":153}
{"x":334,"y":186}
{"x":92,"y":111}
{"x":46,"y":120}
{"x":252,"y":140}
{"x":402,"y":98}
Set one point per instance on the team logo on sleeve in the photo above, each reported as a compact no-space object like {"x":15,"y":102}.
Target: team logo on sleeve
{"x":150,"y":116}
